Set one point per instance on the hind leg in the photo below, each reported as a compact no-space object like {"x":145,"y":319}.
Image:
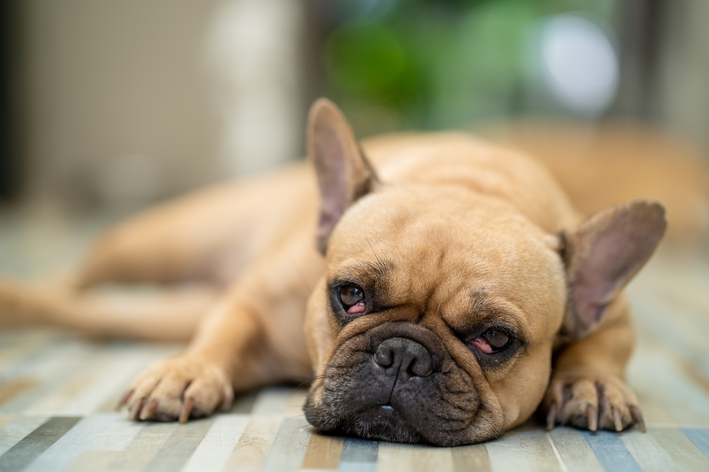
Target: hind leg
{"x":211,"y":234}
{"x":183,"y":239}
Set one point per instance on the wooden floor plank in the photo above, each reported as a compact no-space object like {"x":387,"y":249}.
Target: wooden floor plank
{"x":523,"y":449}
{"x":611,"y":452}
{"x":358,"y":455}
{"x":475,"y":457}
{"x":648,"y":453}
{"x":410,"y":458}
{"x":67,"y":448}
{"x":289,"y":446}
{"x":324,"y":452}
{"x":214,"y":451}
{"x":250,"y":452}
{"x":181,"y":444}
{"x":118,"y":436}
{"x":29,"y":448}
{"x":15,"y":430}
{"x":680,"y":448}
{"x":575,"y":452}
{"x":138,"y":453}
{"x":700,"y":438}
{"x":272,"y":400}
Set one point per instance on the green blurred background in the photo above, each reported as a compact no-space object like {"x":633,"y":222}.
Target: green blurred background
{"x":124,"y":103}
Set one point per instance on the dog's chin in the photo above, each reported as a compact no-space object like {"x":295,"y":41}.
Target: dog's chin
{"x":385,"y":423}
{"x":381,"y":424}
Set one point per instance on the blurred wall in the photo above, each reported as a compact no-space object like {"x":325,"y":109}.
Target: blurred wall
{"x":133,"y":100}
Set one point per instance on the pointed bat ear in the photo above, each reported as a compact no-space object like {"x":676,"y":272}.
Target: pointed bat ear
{"x":344,"y":173}
{"x":601,"y":256}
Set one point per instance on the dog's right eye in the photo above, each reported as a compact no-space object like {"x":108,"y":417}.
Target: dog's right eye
{"x":352,"y":299}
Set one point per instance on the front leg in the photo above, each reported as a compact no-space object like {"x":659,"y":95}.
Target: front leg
{"x":587,"y":388}
{"x":223,"y":356}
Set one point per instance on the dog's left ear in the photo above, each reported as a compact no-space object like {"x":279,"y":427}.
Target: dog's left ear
{"x":344,"y":173}
{"x":601,"y":256}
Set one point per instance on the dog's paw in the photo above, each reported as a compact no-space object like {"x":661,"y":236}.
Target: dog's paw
{"x":591,"y":402}
{"x":177,"y":389}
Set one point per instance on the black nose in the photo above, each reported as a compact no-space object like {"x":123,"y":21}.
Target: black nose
{"x":404,"y":358}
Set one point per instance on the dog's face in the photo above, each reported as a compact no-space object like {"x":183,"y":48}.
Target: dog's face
{"x":437,"y":315}
{"x":443,"y":311}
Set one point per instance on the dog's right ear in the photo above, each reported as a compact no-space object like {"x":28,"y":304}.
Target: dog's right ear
{"x":344,"y":173}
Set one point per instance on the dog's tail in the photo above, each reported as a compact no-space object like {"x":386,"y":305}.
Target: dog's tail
{"x":602,"y":165}
{"x":167,"y":314}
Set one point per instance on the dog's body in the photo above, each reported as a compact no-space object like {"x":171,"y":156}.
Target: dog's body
{"x":451,"y":275}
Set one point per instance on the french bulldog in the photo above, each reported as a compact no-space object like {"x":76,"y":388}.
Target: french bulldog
{"x":435,"y":288}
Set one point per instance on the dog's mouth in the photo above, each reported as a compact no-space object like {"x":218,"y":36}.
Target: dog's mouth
{"x":384,"y":423}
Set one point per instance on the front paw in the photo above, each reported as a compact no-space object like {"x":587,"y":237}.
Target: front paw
{"x":591,"y":402}
{"x":179,"y":388}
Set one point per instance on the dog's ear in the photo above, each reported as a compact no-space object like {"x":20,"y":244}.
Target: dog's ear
{"x":601,"y":256}
{"x":344,"y":173}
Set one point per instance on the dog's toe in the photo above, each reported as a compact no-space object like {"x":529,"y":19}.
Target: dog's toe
{"x":591,"y":402}
{"x":178,"y":389}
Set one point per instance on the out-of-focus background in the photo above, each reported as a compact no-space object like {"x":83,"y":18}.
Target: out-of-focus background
{"x":119,"y":104}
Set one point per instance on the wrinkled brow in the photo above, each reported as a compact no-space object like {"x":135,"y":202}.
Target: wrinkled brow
{"x":486,"y":309}
{"x":364,"y":271}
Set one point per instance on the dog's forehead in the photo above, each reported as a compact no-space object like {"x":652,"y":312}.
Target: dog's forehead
{"x":446,"y":248}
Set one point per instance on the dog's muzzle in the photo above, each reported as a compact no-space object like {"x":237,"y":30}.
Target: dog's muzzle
{"x":396,"y":382}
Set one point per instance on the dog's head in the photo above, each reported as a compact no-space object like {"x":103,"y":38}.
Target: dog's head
{"x":439,"y":309}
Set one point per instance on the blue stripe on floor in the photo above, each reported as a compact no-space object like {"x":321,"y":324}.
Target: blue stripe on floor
{"x":611,"y":452}
{"x":700,"y":438}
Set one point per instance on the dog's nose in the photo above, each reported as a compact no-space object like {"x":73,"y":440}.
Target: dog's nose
{"x":404,"y":358}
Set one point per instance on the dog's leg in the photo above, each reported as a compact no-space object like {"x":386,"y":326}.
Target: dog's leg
{"x":233,"y":351}
{"x":212,"y":234}
{"x":164,"y":314}
{"x":251,"y":337}
{"x":587,"y":388}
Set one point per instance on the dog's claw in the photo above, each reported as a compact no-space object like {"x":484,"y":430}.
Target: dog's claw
{"x":147,"y":412}
{"x":137,"y":407}
{"x":186,"y":410}
{"x":124,"y":399}
{"x":551,"y":417}
{"x":592,"y":416}
{"x":616,"y":420}
{"x":638,"y":417}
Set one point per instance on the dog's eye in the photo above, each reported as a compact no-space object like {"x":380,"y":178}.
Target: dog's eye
{"x":352,"y":299}
{"x":493,"y":340}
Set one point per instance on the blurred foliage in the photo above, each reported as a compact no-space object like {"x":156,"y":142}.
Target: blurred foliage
{"x":429,"y":64}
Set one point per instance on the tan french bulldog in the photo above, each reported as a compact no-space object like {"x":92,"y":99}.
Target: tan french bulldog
{"x":455,"y":290}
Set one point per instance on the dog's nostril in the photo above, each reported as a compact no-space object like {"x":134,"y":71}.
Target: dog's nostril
{"x":384,"y":357}
{"x":405,"y":357}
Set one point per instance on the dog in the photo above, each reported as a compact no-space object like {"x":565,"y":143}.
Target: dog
{"x":437,"y":289}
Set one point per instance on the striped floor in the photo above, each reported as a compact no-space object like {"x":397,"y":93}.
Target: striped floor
{"x":57,"y":393}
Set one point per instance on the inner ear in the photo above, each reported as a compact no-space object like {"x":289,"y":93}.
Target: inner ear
{"x":603,"y":254}
{"x":344,"y":173}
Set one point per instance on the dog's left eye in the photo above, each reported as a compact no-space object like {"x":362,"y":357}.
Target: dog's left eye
{"x":352,"y":299}
{"x":493,"y":340}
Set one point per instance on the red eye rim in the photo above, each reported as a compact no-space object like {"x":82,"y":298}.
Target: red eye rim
{"x":486,"y":345}
{"x":353,"y":303}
